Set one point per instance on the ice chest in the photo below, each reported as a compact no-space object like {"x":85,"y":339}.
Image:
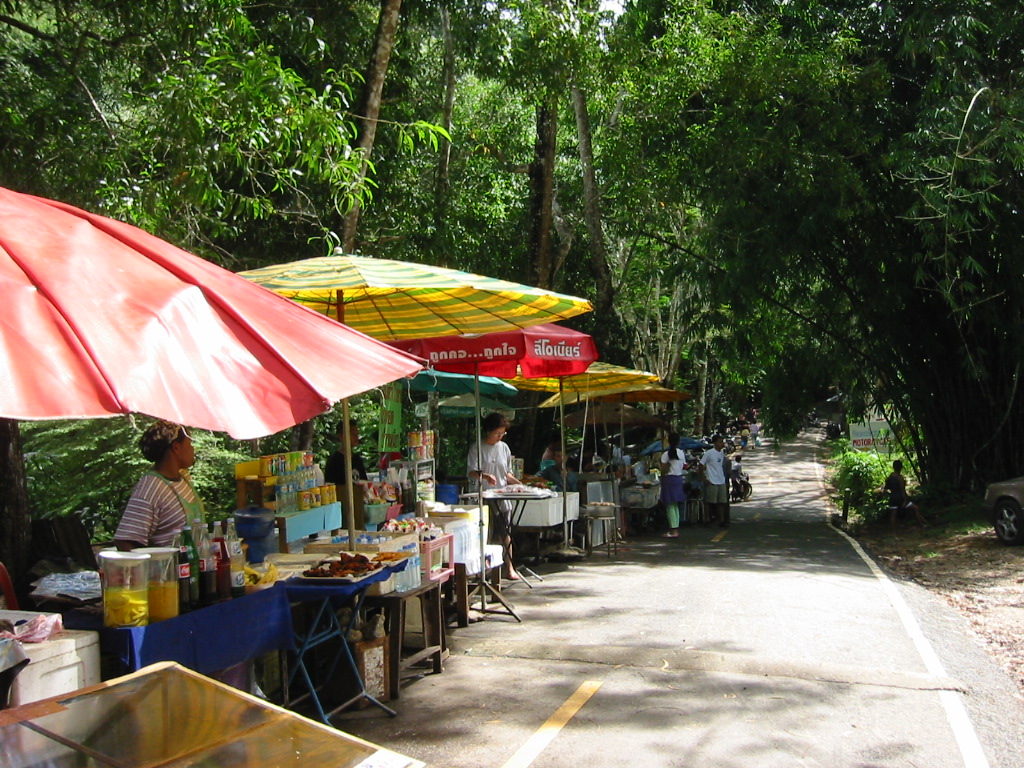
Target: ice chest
{"x":66,"y":662}
{"x":543,"y":513}
{"x":468,"y":512}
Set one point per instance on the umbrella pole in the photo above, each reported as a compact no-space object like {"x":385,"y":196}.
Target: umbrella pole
{"x":350,"y":510}
{"x":565,"y":469}
{"x":480,"y":487}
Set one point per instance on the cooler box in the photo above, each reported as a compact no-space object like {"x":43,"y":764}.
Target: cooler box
{"x":544,"y":513}
{"x":66,"y":662}
{"x":468,"y":512}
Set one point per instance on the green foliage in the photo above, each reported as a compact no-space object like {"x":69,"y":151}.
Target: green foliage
{"x":858,"y":476}
{"x":88,"y":467}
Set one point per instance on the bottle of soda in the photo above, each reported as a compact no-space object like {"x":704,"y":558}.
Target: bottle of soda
{"x":236,"y":559}
{"x":190,"y":568}
{"x":184,"y":571}
{"x":220,"y":552}
{"x":207,"y":564}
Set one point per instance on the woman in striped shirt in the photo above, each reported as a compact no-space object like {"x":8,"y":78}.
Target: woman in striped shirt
{"x":163,"y":501}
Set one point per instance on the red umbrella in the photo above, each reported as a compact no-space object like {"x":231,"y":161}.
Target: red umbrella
{"x":102,"y":318}
{"x":545,"y":350}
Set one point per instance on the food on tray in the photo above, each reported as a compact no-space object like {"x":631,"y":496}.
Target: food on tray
{"x":346,"y":564}
{"x":254,"y":577}
{"x":513,"y":489}
{"x":390,"y":557}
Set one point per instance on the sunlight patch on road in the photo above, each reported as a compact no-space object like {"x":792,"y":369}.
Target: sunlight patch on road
{"x":529,"y":752}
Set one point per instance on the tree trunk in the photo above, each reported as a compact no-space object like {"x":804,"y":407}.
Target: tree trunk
{"x":604,"y":294}
{"x":15,"y":525}
{"x":442,"y":183}
{"x":387,"y":25}
{"x":700,"y":398}
{"x":542,"y":186}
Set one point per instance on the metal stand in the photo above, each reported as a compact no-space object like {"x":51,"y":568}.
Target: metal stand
{"x":514,"y":518}
{"x":479,"y":584}
{"x":324,"y":627}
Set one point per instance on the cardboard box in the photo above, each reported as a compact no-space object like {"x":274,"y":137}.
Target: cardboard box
{"x":391,"y":542}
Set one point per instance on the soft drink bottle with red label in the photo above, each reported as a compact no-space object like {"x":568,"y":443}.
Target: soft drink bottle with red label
{"x":207,"y":564}
{"x":189,"y":586}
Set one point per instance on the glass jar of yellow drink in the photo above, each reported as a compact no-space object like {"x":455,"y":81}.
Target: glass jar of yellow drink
{"x":163,"y":582}
{"x":125,"y":577}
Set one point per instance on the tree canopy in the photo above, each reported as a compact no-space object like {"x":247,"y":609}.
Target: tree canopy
{"x":766,"y":200}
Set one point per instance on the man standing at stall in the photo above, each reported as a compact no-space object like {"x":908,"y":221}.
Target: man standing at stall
{"x":716,"y":489}
{"x":334,"y":471}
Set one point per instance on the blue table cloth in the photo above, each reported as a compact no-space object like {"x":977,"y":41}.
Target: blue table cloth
{"x":208,"y":639}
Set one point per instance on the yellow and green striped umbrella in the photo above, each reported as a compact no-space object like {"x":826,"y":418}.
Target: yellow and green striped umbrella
{"x":642,"y":393}
{"x":599,"y":376}
{"x":389,"y":299}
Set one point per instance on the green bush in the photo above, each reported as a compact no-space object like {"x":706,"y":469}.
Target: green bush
{"x":857,"y":476}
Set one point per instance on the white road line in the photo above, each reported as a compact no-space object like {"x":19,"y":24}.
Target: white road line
{"x":956,"y":713}
{"x":963,"y":730}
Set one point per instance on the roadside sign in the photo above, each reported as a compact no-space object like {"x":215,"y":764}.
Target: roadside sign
{"x":872,"y":434}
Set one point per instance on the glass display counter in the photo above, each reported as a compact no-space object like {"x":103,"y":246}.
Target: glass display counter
{"x":168,"y":716}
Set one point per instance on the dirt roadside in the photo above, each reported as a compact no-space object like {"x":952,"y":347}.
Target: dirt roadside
{"x":977,"y":575}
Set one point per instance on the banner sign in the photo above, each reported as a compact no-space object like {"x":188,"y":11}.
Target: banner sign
{"x":389,"y":435}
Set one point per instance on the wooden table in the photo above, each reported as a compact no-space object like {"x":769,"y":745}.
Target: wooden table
{"x":394,"y":605}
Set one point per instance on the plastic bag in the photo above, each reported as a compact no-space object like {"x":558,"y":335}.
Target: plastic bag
{"x":38,"y":629}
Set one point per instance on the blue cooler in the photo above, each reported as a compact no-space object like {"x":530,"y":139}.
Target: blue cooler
{"x":255,"y":525}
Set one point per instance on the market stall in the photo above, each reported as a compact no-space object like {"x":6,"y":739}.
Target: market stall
{"x":545,"y":350}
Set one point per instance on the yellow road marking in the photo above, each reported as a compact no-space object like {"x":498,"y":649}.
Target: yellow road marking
{"x":527,"y":753}
{"x":719,"y":536}
{"x":757,"y":515}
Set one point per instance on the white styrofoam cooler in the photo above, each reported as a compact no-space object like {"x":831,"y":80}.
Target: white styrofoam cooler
{"x":66,"y":662}
{"x":542,"y":513}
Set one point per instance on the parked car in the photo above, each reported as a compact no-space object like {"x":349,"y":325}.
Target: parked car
{"x":1005,"y":501}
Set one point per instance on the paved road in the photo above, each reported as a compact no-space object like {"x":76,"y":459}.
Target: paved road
{"x":773,"y":643}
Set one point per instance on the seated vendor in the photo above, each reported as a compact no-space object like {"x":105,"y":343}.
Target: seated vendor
{"x":552,"y":472}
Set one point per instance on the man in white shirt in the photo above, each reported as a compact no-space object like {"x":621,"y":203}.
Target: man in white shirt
{"x":716,"y":489}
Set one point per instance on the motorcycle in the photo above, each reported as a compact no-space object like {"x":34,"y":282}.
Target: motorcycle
{"x":740,"y":488}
